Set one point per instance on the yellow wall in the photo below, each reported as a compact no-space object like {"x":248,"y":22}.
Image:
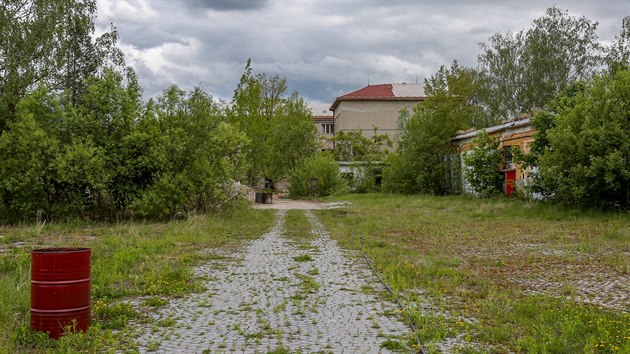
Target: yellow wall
{"x":521,"y":137}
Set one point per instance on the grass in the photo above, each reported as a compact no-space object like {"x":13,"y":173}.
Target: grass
{"x":128,"y":259}
{"x":303,"y":258}
{"x":500,"y":274}
{"x":297,"y":227}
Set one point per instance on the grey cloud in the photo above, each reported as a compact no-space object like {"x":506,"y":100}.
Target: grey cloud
{"x":227,"y":5}
{"x":325,"y":49}
{"x":138,"y":36}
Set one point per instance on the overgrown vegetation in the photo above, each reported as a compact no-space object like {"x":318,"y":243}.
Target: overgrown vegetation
{"x":354,"y":146}
{"x":129,"y":260}
{"x":497,"y":275}
{"x":280,"y":128}
{"x":526,"y":69}
{"x":316,"y":176}
{"x":481,"y":166}
{"x":581,"y":150}
{"x":77,"y":140}
{"x":110,"y":157}
{"x":424,"y":161}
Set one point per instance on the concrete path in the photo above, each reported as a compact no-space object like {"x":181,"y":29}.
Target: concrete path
{"x":265,"y":299}
{"x":291,"y":204}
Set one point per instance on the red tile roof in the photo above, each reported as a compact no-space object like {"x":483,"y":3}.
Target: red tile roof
{"x":385,"y":92}
{"x":371,"y":91}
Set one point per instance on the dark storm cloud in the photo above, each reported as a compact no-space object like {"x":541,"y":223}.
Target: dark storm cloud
{"x":323,"y":48}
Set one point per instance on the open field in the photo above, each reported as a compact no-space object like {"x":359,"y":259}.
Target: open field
{"x":153,"y":260}
{"x":475,"y":275}
{"x":498,"y":275}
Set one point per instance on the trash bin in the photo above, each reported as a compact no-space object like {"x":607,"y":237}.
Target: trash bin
{"x":268,"y":198}
{"x":60,"y":289}
{"x":259,"y":198}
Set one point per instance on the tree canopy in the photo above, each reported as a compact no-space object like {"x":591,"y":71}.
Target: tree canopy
{"x":585,"y":158}
{"x":422,"y":162}
{"x":280,"y":127}
{"x":526,"y":69}
{"x":49,"y":42}
{"x":76,"y":138}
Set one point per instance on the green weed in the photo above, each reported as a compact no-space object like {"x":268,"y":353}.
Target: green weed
{"x":298,"y":228}
{"x":303,"y":258}
{"x":474,"y":259}
{"x":155,"y":301}
{"x":128,"y":259}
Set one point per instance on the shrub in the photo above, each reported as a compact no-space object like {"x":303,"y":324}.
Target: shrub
{"x":587,"y":160}
{"x":481,"y":166}
{"x":316,"y":176}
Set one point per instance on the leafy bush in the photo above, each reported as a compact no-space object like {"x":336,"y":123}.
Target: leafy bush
{"x":108,"y":155}
{"x":481,"y":166}
{"x":317,"y":176}
{"x":587,"y":159}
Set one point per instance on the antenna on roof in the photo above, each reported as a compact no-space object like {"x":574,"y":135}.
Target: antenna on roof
{"x":416,"y":78}
{"x":368,"y":79}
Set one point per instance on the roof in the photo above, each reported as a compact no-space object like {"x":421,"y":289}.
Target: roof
{"x":510,"y":124}
{"x":323,"y":118}
{"x":386,"y":92}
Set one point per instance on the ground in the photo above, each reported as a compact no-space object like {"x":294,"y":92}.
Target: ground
{"x":301,"y":295}
{"x":472,"y":276}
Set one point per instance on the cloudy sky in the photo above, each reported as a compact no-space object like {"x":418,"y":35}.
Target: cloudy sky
{"x":324,"y":48}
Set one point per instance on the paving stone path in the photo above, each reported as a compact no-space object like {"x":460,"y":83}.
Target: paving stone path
{"x":264,"y":300}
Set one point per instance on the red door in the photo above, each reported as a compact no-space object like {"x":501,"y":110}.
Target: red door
{"x":510,"y":182}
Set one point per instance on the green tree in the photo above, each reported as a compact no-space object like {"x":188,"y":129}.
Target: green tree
{"x":280,"y":128}
{"x":545,"y":120}
{"x":92,"y":164}
{"x":110,"y":116}
{"x":49,"y":42}
{"x":354,"y":146}
{"x":293,"y":137}
{"x":425,"y":158}
{"x":618,"y":54}
{"x":80,"y":179}
{"x":25,"y":168}
{"x":481,"y":163}
{"x":586,"y":161}
{"x":200,"y":155}
{"x":527,"y":69}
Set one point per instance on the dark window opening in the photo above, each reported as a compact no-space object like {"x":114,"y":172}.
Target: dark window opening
{"x":327,"y":129}
{"x":507,"y":154}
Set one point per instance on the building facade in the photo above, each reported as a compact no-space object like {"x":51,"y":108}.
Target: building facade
{"x":375,"y":108}
{"x":512,"y":134}
{"x":325,"y":124}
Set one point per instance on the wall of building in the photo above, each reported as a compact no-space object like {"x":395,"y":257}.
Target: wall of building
{"x":365,"y":115}
{"x":520,"y":136}
{"x":325,"y":135}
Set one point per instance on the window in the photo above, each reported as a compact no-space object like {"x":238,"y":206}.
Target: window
{"x":327,"y":129}
{"x":507,"y":154}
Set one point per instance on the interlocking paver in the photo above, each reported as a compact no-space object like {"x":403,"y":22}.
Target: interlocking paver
{"x":265,"y":300}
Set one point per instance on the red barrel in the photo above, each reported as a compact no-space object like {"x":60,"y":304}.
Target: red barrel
{"x":60,"y":289}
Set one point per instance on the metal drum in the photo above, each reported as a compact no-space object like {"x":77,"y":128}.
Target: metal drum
{"x":60,"y":289}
